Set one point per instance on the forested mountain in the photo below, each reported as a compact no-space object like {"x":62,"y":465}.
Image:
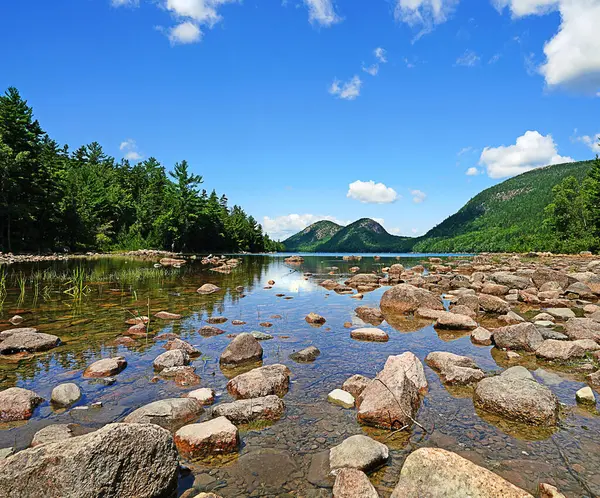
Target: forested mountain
{"x":312,"y":236}
{"x":364,"y":235}
{"x":509,"y":216}
{"x":53,"y":198}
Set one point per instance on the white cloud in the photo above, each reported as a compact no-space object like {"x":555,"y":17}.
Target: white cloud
{"x":573,"y":54}
{"x":469,"y":59}
{"x":282,"y":227}
{"x":380,"y":54}
{"x":371,"y":192}
{"x":472,"y":171}
{"x":495,"y":58}
{"x":593,"y":142}
{"x":322,"y":12}
{"x":124,"y":3}
{"x":531,"y":150}
{"x":395,"y":231}
{"x":464,"y":150}
{"x":130,"y":151}
{"x":184,"y":33}
{"x":372,"y":69}
{"x":418,"y":196}
{"x":424,"y":14}
{"x":348,"y":90}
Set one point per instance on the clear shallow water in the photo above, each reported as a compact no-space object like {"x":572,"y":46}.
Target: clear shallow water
{"x":284,"y":458}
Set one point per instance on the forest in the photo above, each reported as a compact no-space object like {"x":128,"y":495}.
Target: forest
{"x":55,"y":199}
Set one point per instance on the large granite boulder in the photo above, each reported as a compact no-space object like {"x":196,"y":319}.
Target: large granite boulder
{"x":582,"y":328}
{"x":353,"y":483}
{"x":171,"y":413}
{"x":493,"y":304}
{"x":455,"y":321}
{"x":28,"y":341}
{"x":554,"y":350}
{"x":217,"y":436}
{"x":116,"y":461}
{"x":106,"y":367}
{"x":17,"y":404}
{"x":244,"y":348}
{"x":406,"y":298}
{"x":358,"y":452}
{"x":259,"y":382}
{"x":516,"y":395}
{"x":244,"y":411}
{"x":372,"y":316}
{"x":171,"y":358}
{"x":522,"y":336}
{"x":454,"y":369}
{"x":434,"y":472}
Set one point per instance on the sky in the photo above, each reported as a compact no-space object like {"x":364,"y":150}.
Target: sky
{"x":301,"y":110}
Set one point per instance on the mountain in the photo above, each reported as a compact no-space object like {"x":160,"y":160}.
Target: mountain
{"x":506,"y":217}
{"x":309,"y":239}
{"x":364,"y":235}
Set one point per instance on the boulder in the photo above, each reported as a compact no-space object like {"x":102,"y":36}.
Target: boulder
{"x":468,"y":300}
{"x":165,"y":315}
{"x":245,"y":411}
{"x":118,"y":460}
{"x":341,"y":398}
{"x":428,"y":314}
{"x":353,"y":483}
{"x":369,"y":334}
{"x":183,"y":346}
{"x":548,"y":491}
{"x":493,"y":304}
{"x":581,"y":290}
{"x":5,"y":334}
{"x":516,"y":395}
{"x":586,"y":396}
{"x":243,"y":349}
{"x":259,"y":382}
{"x":461,"y":309}
{"x":184,"y":375}
{"x":171,"y":413}
{"x":522,"y":336}
{"x":204,"y":396}
{"x":405,"y":298}
{"x":434,"y":472}
{"x":315,"y":319}
{"x":511,"y":280}
{"x":172,"y":358}
{"x":372,"y":316}
{"x":216,"y":320}
{"x":17,"y":403}
{"x":552,"y":349}
{"x":454,"y":369}
{"x":306,"y":355}
{"x":56,"y":432}
{"x":355,"y":385}
{"x":29,"y":342}
{"x":16,"y":320}
{"x":392,"y":399}
{"x":208,"y":289}
{"x":542,"y":276}
{"x":481,"y":336}
{"x":454,"y":321}
{"x":494,"y":289}
{"x":511,"y":318}
{"x":65,"y":394}
{"x":106,"y":367}
{"x":582,"y":328}
{"x":561,"y":313}
{"x":358,"y":452}
{"x":217,"y":436}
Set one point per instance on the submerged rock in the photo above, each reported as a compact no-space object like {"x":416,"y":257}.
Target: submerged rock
{"x":118,"y":460}
{"x":243,"y":349}
{"x":165,"y":315}
{"x":170,"y":414}
{"x":217,"y":436}
{"x":372,"y":316}
{"x":259,"y":382}
{"x":439,"y":473}
{"x":358,"y":452}
{"x":208,"y":289}
{"x":516,"y":395}
{"x":17,"y":403}
{"x":245,"y":411}
{"x":315,"y":319}
{"x":369,"y":334}
{"x":306,"y":355}
{"x":210,"y":331}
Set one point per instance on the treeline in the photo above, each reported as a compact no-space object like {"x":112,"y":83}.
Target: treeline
{"x":54,"y":199}
{"x":573,"y":216}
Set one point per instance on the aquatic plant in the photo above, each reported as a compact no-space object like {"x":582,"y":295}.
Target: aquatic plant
{"x":2,"y":286}
{"x":77,"y":284}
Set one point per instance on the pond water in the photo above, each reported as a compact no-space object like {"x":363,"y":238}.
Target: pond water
{"x":283,"y":459}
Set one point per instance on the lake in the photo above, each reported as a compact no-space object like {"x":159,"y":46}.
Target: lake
{"x":282,"y":459}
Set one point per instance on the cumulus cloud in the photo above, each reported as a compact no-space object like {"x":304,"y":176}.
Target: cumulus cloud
{"x":282,"y":227}
{"x":593,"y":142}
{"x":424,"y":14}
{"x":418,"y":196}
{"x":380,"y":54}
{"x":395,"y":231}
{"x":573,"y":54}
{"x":371,"y":192}
{"x":322,"y":12}
{"x":468,"y":59}
{"x":130,"y":150}
{"x":531,"y":150}
{"x":372,"y":69}
{"x":348,"y":90}
{"x":472,"y":171}
{"x":184,"y":33}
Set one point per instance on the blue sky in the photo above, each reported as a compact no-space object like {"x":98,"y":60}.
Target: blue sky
{"x":277,"y":104}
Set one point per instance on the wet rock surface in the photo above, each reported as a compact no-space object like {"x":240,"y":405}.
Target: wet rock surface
{"x":244,"y":411}
{"x":171,"y":414}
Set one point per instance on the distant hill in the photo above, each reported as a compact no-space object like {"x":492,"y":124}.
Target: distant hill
{"x":506,"y":217}
{"x":364,"y":235}
{"x":309,"y":239}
